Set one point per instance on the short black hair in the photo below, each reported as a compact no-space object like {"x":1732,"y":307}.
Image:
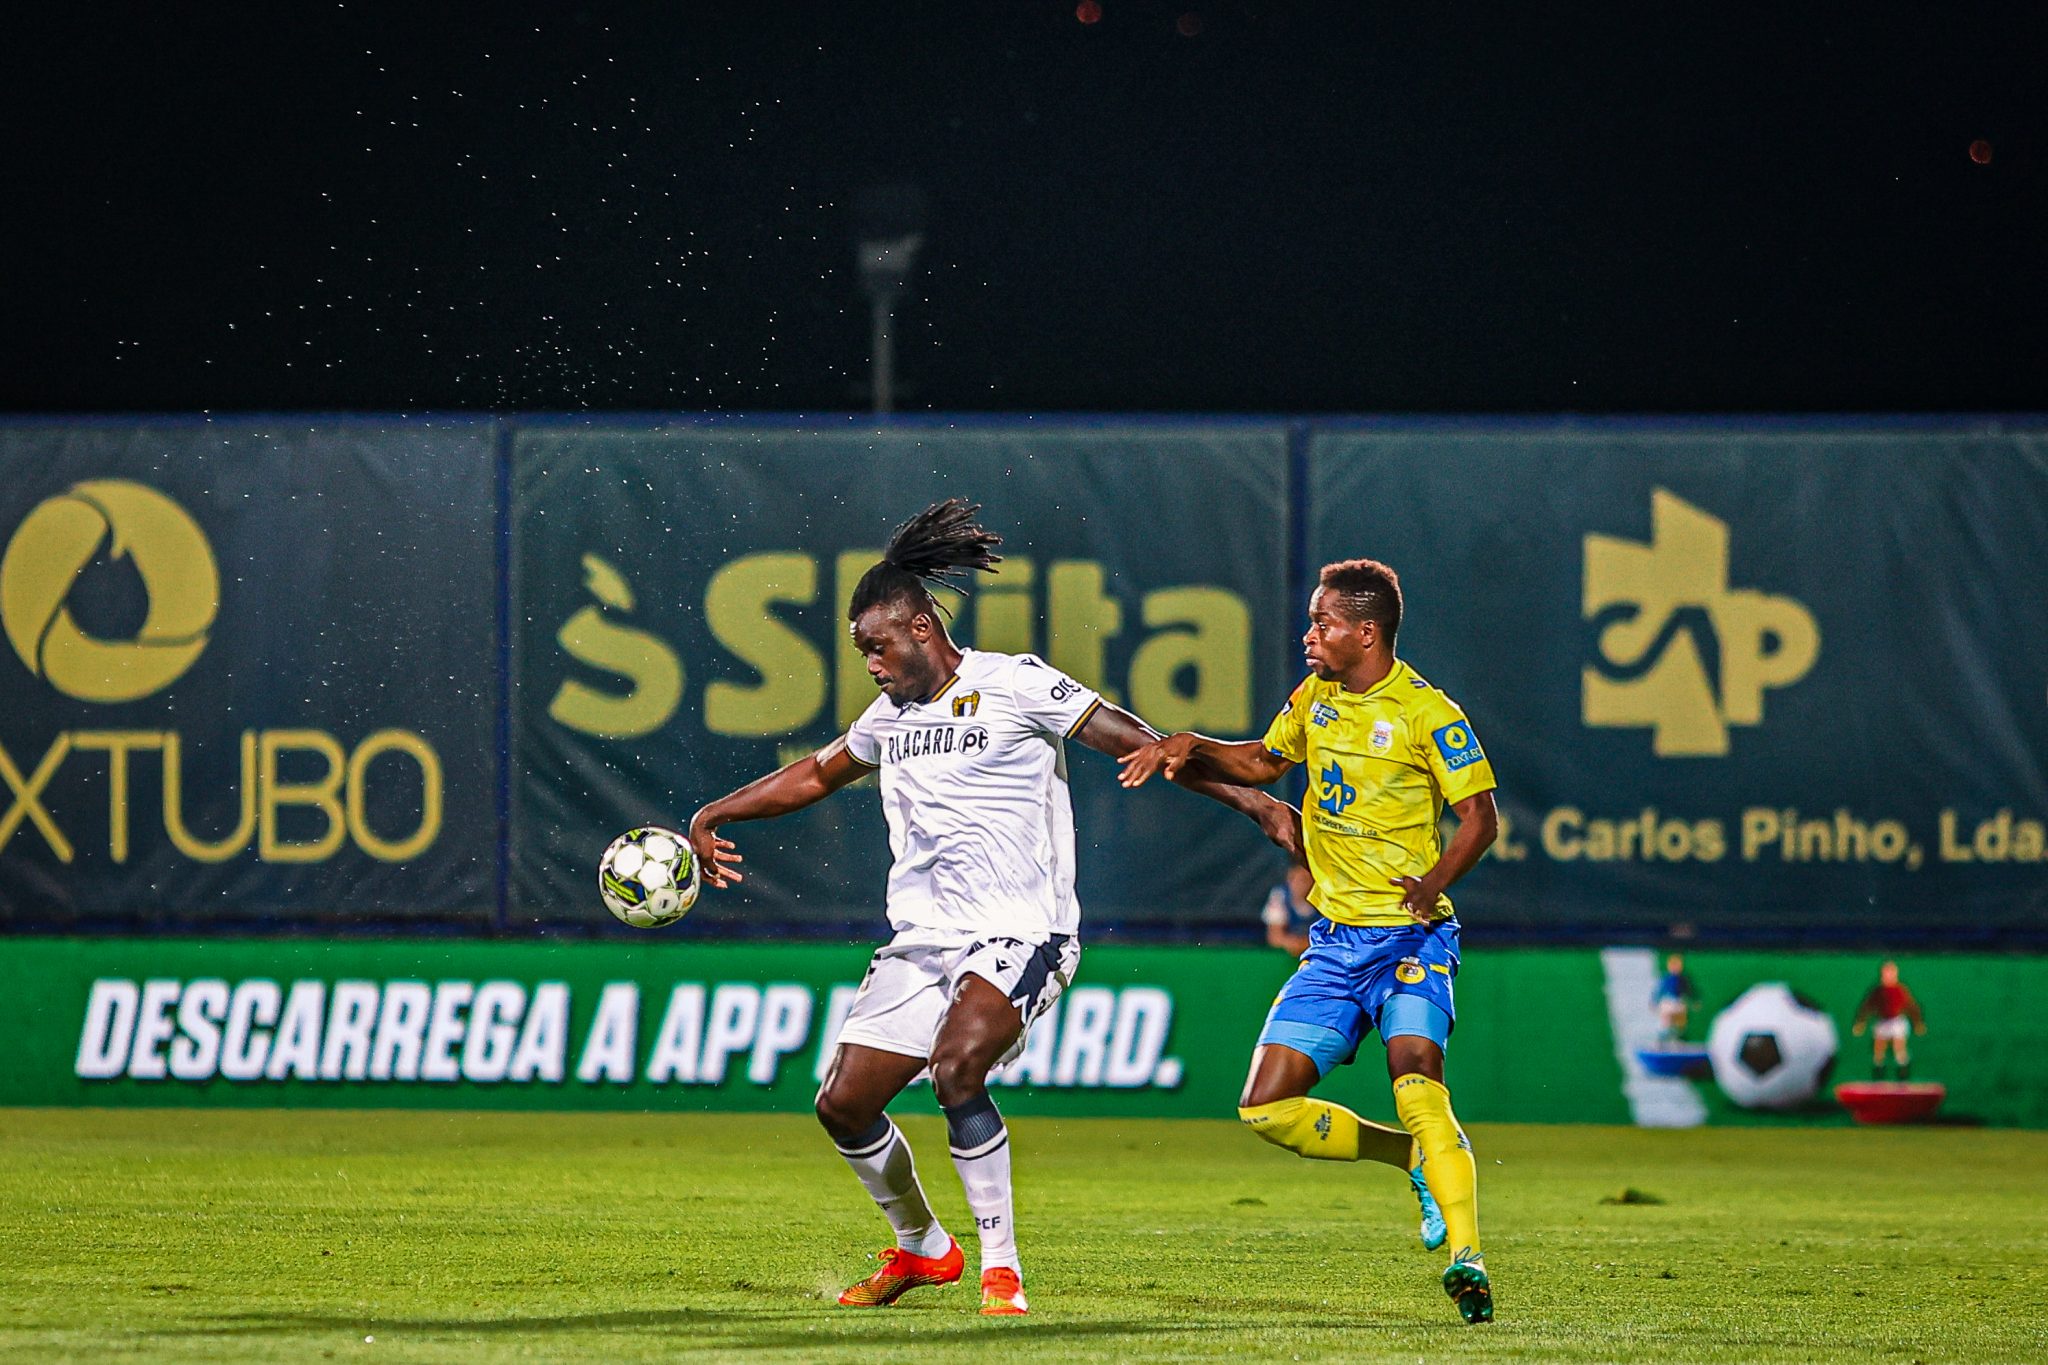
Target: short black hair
{"x":936,"y":548}
{"x":1365,"y":590}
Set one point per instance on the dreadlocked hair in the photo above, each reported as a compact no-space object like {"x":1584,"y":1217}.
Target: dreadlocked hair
{"x":934,"y":549}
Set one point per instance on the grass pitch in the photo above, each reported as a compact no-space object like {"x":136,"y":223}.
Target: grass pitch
{"x":189,"y":1235}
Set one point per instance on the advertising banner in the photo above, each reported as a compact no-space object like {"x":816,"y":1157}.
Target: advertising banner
{"x":250,"y":671}
{"x":1543,"y":1035}
{"x":681,"y":629}
{"x":1746,"y":680}
{"x":1743,"y":680}
{"x":586,"y":1026}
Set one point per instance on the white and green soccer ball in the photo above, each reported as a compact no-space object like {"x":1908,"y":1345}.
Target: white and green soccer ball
{"x":648,"y":877}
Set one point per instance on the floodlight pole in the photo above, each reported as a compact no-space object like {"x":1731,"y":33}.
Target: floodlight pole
{"x":882,"y":353}
{"x":885,"y":265}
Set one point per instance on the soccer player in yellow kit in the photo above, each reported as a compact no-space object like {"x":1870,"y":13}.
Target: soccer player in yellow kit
{"x":1385,"y":753}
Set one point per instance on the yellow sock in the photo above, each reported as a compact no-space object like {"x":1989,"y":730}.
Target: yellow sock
{"x":1425,"y":1108}
{"x":1323,"y":1131}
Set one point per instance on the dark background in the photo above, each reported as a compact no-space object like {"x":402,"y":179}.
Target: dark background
{"x":1182,"y":207}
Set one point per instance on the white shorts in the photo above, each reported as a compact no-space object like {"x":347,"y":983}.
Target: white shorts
{"x":1670,"y":1012}
{"x":1892,"y":1030}
{"x":910,"y":982}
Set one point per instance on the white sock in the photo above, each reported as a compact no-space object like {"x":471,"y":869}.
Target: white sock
{"x":881,"y":1158}
{"x":981,"y":1153}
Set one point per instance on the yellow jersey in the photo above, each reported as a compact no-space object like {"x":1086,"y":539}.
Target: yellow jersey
{"x":1382,"y":765}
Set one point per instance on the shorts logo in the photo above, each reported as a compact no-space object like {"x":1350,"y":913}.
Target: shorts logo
{"x":1410,"y":972}
{"x":1337,"y":793}
{"x":1322,"y":713}
{"x":1382,"y":736}
{"x":1457,"y":744}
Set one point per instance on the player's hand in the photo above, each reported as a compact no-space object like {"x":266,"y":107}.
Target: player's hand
{"x":715,"y":856}
{"x":1419,"y":899}
{"x":1166,"y":756}
{"x":1920,"y":1030}
{"x":1282,"y":824}
{"x":1856,"y":1029}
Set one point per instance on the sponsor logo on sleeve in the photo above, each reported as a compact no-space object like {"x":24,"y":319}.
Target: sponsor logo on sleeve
{"x":1457,"y":744}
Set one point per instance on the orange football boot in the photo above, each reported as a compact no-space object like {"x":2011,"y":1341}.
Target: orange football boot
{"x":1002,"y":1294}
{"x":903,"y":1271}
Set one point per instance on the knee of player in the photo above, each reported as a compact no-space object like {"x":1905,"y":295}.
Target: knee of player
{"x":1274,"y":1122}
{"x":838,"y":1116}
{"x":957,"y":1078}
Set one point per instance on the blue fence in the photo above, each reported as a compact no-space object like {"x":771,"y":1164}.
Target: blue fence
{"x":1740,"y":679}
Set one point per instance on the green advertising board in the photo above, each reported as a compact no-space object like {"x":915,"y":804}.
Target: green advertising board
{"x":583,"y":1026}
{"x":1543,"y":1035}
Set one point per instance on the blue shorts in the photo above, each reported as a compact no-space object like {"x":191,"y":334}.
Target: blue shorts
{"x":1357,"y":978}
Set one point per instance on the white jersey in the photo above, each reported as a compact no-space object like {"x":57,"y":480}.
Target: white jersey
{"x":974,"y":785}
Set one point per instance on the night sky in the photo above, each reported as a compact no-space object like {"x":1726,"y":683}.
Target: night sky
{"x":1375,"y":207}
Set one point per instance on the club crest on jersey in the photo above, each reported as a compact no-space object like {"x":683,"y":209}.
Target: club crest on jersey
{"x":1410,"y":971}
{"x":1382,"y":736}
{"x":1322,"y":713}
{"x":1457,"y":744}
{"x":967,"y":704}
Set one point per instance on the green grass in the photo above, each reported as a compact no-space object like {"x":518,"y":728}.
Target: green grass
{"x":188,"y":1235}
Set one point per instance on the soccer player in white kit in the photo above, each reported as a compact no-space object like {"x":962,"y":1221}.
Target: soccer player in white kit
{"x":973,"y":775}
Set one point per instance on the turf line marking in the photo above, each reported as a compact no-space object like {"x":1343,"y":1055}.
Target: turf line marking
{"x":1653,"y":1101}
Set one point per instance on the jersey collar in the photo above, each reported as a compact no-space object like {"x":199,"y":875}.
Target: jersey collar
{"x":947,"y":685}
{"x":1394,"y":675}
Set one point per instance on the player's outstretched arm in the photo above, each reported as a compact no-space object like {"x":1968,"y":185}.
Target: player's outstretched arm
{"x":1478,"y":825}
{"x":1249,"y":762}
{"x":1116,"y":732}
{"x":808,"y":780}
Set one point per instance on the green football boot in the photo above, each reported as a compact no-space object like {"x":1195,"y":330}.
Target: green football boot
{"x":1469,"y":1288}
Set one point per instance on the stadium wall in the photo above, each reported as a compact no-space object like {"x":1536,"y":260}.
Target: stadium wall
{"x":1744,"y":682}
{"x":1543,"y":1035}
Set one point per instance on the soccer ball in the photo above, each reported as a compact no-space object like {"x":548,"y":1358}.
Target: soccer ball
{"x":1772,"y":1048}
{"x":648,"y":877}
